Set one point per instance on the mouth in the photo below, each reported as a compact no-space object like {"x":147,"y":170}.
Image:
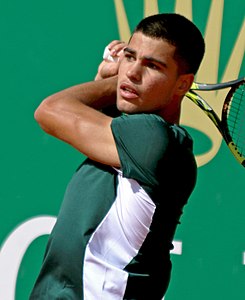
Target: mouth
{"x":128,"y":92}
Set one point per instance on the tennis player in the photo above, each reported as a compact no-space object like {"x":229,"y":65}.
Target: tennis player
{"x":115,"y":228}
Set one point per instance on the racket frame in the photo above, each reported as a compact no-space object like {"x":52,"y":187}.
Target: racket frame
{"x":221,"y":124}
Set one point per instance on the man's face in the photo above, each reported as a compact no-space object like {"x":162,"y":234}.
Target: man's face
{"x":147,"y":76}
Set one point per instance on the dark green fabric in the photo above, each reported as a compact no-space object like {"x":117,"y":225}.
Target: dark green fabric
{"x":159,"y":156}
{"x":79,"y":216}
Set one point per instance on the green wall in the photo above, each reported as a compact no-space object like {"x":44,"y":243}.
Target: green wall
{"x":49,"y":45}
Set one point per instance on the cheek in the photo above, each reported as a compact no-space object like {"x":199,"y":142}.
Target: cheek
{"x":159,"y":92}
{"x":151,"y":84}
{"x":155,"y":89}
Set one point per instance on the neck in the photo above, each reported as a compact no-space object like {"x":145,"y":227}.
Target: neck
{"x":172,"y":113}
{"x":172,"y":117}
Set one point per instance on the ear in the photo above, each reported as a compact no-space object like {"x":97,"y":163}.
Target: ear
{"x":184,"y":84}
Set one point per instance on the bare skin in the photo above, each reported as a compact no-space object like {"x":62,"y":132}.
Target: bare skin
{"x":147,"y":81}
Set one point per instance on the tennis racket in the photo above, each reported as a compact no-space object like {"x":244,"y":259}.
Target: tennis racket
{"x":232,"y":122}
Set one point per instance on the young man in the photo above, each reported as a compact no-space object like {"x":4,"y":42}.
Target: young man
{"x":114,"y":232}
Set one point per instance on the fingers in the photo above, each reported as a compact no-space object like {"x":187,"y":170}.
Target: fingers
{"x":111,"y":60}
{"x":107,"y":55}
{"x":115,"y":48}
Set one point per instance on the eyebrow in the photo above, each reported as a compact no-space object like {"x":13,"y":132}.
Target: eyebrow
{"x":149,"y":58}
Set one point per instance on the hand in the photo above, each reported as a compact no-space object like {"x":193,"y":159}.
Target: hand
{"x":109,"y":67}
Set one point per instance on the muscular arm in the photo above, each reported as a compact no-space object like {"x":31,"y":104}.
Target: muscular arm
{"x":72,"y":116}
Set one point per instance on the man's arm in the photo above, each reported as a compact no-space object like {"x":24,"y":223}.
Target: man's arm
{"x":72,"y":116}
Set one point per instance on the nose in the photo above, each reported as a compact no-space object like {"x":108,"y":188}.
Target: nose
{"x":134,"y":72}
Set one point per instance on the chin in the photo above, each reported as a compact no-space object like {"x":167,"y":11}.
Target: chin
{"x":127,"y":108}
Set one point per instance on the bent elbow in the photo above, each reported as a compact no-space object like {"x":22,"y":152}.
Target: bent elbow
{"x":41,"y":115}
{"x":38,"y":113}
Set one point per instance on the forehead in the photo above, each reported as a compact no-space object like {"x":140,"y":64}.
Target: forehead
{"x":147,"y":46}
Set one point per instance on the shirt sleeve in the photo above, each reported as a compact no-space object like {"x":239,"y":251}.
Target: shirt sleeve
{"x":142,"y":141}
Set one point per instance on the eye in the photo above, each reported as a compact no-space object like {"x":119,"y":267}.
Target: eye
{"x":129,"y":57}
{"x":152,"y":65}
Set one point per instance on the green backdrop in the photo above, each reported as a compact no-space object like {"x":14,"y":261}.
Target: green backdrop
{"x":49,"y":45}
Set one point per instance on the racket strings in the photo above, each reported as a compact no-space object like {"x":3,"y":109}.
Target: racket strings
{"x":236,"y":118}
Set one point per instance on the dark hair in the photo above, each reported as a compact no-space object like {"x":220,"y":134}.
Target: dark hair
{"x":181,"y":33}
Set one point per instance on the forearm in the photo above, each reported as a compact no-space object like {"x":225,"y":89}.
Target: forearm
{"x":68,"y":116}
{"x":96,"y":94}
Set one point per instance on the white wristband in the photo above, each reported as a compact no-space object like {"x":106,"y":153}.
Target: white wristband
{"x":107,"y":55}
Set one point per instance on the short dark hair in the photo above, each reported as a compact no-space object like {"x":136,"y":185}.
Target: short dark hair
{"x":181,"y":33}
